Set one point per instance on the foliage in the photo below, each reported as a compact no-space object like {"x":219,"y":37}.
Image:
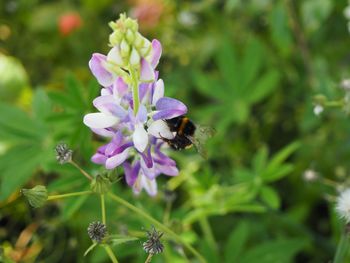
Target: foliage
{"x":250,"y":69}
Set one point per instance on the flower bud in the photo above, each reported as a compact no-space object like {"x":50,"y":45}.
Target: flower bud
{"x":36,"y":196}
{"x":130,"y":36}
{"x":101,"y":184}
{"x":139,"y":41}
{"x":134,"y":58}
{"x":115,"y":38}
{"x":146,"y":48}
{"x":97,"y":231}
{"x":63,"y":153}
{"x":124,"y":48}
{"x":131,"y":24}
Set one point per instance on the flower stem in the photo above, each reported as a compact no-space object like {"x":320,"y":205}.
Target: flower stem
{"x":103,"y":209}
{"x":158,"y":224}
{"x":149,"y":258}
{"x":110,"y":253}
{"x":135,"y":89}
{"x":53,"y":197}
{"x":342,"y":249}
{"x":81,"y":170}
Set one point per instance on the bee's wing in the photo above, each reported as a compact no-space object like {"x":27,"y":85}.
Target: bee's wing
{"x":201,"y":135}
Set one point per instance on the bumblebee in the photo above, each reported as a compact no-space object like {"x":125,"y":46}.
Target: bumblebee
{"x":188,"y":134}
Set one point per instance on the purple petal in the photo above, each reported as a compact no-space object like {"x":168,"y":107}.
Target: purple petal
{"x":156,"y":52}
{"x":109,"y":104}
{"x":142,"y":114}
{"x":147,"y":158}
{"x":103,"y":132}
{"x":114,"y":144}
{"x":99,"y":158}
{"x":149,"y":185}
{"x":103,"y":76}
{"x":147,"y":72}
{"x":131,"y":172}
{"x":169,"y":108}
{"x":168,"y":170}
{"x":120,"y":87}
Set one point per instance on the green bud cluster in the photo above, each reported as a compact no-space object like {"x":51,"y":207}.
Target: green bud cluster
{"x":131,"y":43}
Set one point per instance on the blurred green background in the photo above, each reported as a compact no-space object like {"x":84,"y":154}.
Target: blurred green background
{"x":248,"y":68}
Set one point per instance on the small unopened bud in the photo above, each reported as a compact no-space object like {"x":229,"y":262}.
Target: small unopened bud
{"x":153,"y":244}
{"x":130,"y":36}
{"x":134,"y":58}
{"x":101,"y":184}
{"x":146,"y":48}
{"x":124,"y":48}
{"x":139,"y":41}
{"x":97,"y":231}
{"x":37,"y":196}
{"x":63,"y":153}
{"x":115,"y":38}
{"x":131,"y":24}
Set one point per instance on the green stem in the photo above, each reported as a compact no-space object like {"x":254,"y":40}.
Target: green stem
{"x":149,"y":258}
{"x":81,"y":170}
{"x":208,"y":233}
{"x":342,"y":249}
{"x":157,"y":224}
{"x":53,"y":197}
{"x":110,"y":253}
{"x":103,"y":209}
{"x":135,"y":89}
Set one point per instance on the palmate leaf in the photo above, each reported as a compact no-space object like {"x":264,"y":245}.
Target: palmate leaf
{"x":236,"y":242}
{"x":18,"y":165}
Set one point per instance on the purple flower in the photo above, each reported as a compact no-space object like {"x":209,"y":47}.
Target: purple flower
{"x":135,"y":129}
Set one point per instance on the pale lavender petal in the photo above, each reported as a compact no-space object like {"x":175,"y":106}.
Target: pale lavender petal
{"x":106,"y":91}
{"x":120,"y":87}
{"x":142,"y":114}
{"x":103,"y":132}
{"x":147,"y":72}
{"x":114,"y":56}
{"x":117,"y":160}
{"x":156,"y":52}
{"x":108,"y":104}
{"x":140,"y":138}
{"x":169,"y":108}
{"x":168,"y":170}
{"x":149,"y":185}
{"x":158,"y":91}
{"x":160,"y":129}
{"x":99,"y":158}
{"x":100,"y":120}
{"x":131,"y":172}
{"x":103,"y":76}
{"x":143,"y":89}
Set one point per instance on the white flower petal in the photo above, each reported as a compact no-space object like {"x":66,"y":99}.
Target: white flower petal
{"x":140,"y":138}
{"x":149,"y":185}
{"x":134,"y":57}
{"x":158,"y":91}
{"x":100,"y":120}
{"x":117,"y":160}
{"x":160,"y":129}
{"x":114,"y":56}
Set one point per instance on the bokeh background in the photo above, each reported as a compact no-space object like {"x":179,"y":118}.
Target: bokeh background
{"x":248,"y":68}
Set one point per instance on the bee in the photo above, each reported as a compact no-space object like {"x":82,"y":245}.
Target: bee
{"x":188,"y":134}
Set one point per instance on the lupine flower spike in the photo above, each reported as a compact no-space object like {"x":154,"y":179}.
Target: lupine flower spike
{"x":132,"y":107}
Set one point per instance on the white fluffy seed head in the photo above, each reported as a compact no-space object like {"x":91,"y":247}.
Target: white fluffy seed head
{"x":343,"y":205}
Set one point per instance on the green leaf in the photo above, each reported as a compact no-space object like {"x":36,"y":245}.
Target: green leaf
{"x":274,"y":251}
{"x":274,"y":169}
{"x":72,"y":205}
{"x":75,"y":91}
{"x":16,"y":125}
{"x":17,"y":166}
{"x":270,"y":197}
{"x":41,"y":104}
{"x":264,"y":86}
{"x":260,"y":160}
{"x":236,"y":242}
